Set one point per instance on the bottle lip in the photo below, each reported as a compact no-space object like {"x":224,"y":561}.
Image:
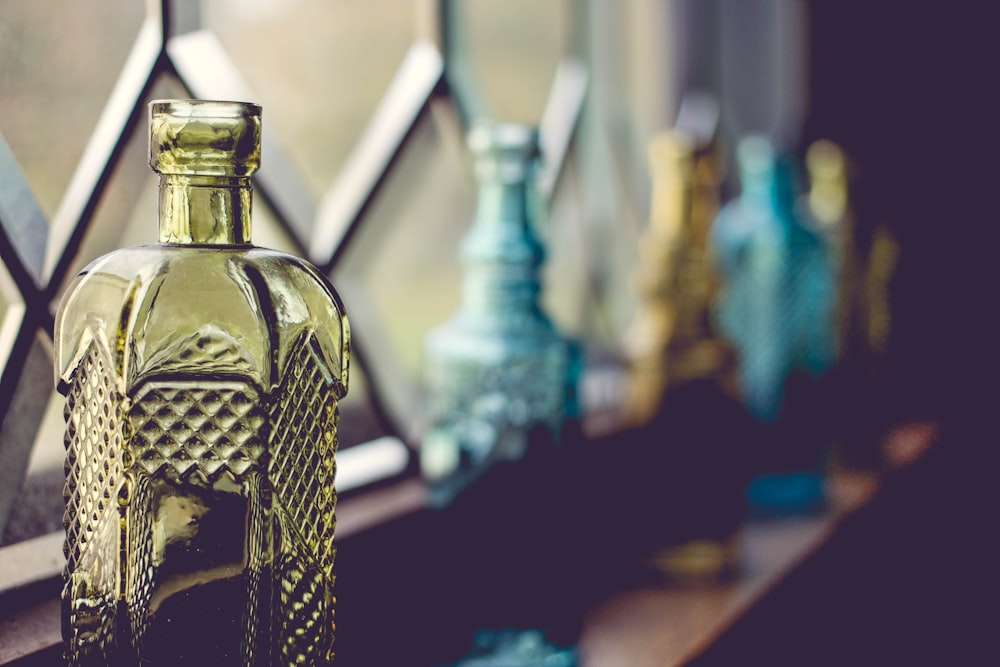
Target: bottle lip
{"x":492,"y":136}
{"x":204,"y":108}
{"x":505,"y":152}
{"x":670,"y":147}
{"x":204,"y":137}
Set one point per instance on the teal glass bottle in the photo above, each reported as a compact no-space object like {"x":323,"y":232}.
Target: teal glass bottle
{"x":778,"y":307}
{"x":498,"y":373}
{"x":202,"y":376}
{"x":517,"y":648}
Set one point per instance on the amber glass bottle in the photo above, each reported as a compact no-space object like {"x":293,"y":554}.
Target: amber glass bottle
{"x":202,"y":376}
{"x":671,"y":340}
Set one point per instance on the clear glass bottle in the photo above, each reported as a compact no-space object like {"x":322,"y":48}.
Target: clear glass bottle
{"x":498,"y":372}
{"x":778,"y":307}
{"x":202,"y":376}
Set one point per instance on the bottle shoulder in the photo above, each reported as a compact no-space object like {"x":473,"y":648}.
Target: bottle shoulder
{"x":244,"y":307}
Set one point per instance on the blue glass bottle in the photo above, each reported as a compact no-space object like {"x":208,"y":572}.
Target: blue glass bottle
{"x":498,"y":373}
{"x":778,"y":306}
{"x":514,"y":648}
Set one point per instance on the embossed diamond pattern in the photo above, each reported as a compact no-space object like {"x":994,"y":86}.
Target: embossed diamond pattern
{"x":200,"y":430}
{"x":91,"y":625}
{"x":261,"y":553}
{"x":777,"y":312}
{"x":304,"y":437}
{"x":811,"y":295}
{"x":196,"y":432}
{"x":138,"y":493}
{"x":304,"y":603}
{"x":93,"y":441}
{"x":94,"y":594}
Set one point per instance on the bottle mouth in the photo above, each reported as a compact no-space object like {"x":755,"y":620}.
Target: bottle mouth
{"x":204,"y":137}
{"x":487,"y":136}
{"x":669,"y":149}
{"x":504,"y":151}
{"x":222,"y":109}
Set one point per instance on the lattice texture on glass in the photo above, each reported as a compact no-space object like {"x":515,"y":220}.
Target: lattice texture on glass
{"x":93,"y":459}
{"x":94,"y":453}
{"x":196,"y":432}
{"x":303,"y":437}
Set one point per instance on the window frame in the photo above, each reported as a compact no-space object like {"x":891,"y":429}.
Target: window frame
{"x":173,"y":42}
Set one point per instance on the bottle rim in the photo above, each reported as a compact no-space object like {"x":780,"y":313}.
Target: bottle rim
{"x":193,"y":108}
{"x":211,"y":138}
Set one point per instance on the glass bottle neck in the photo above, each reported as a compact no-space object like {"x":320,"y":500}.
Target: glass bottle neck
{"x":503,"y":233}
{"x":759,"y":185}
{"x":501,"y":254}
{"x":205,"y":210}
{"x":502,"y":203}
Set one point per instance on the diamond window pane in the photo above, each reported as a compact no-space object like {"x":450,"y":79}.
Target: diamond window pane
{"x":268,"y":232}
{"x":11,"y":312}
{"x":401,"y":274}
{"x":19,"y":430}
{"x":568,"y":284}
{"x":318,"y":68}
{"x":126,"y":211}
{"x":58,"y":63}
{"x":359,"y":422}
{"x":590,"y":269}
{"x":39,"y":507}
{"x":512,"y":49}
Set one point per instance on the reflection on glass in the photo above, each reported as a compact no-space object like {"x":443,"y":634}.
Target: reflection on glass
{"x":72,"y":53}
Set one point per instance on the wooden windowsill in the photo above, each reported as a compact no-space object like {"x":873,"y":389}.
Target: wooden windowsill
{"x":668,"y":626}
{"x":664,"y":626}
{"x":31,"y":571}
{"x":660,"y":627}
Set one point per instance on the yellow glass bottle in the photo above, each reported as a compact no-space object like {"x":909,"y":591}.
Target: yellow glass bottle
{"x":682,"y":374}
{"x":671,"y":341}
{"x":202,"y":376}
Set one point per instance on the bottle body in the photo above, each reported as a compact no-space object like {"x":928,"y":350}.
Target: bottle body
{"x":201,"y":383}
{"x":778,"y":308}
{"x":498,"y":374}
{"x":671,"y":340}
{"x":687,"y":425}
{"x":490,"y":396}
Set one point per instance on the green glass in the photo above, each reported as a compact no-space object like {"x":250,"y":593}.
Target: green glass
{"x":202,"y":376}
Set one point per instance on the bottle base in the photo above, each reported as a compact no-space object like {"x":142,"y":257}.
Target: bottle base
{"x":787,"y":494}
{"x":699,"y":561}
